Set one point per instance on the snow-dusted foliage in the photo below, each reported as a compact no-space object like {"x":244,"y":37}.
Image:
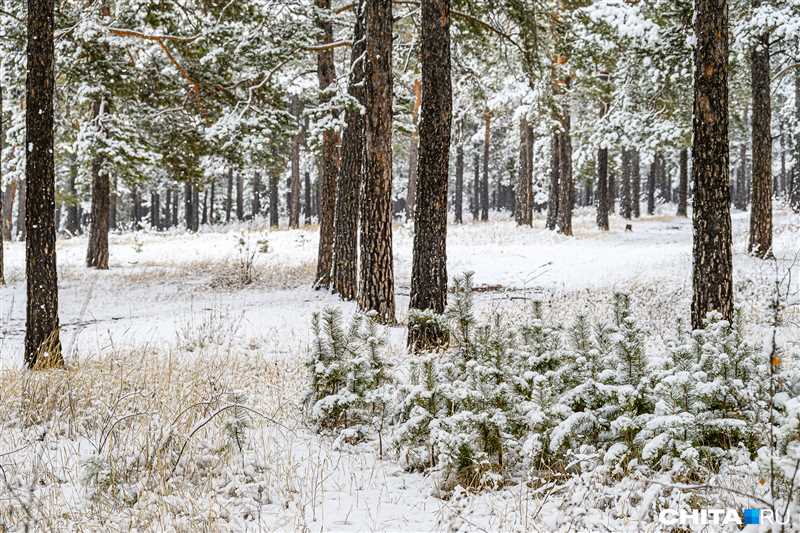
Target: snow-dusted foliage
{"x":350,"y":388}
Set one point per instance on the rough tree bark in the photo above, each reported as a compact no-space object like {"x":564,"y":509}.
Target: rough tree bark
{"x":326,"y":73}
{"x":429,"y":270}
{"x":255,"y":205}
{"x":566,"y":188}
{"x":555,"y":171}
{"x":297,"y":142}
{"x":42,"y":342}
{"x":97,"y":252}
{"x":377,"y":270}
{"x":683,"y":184}
{"x":712,"y":277}
{"x":413,"y":150}
{"x":274,"y":218}
{"x":459,"y":193}
{"x":625,"y":185}
{"x":522,"y":201}
{"x":351,"y":175}
{"x":8,"y":209}
{"x":760,"y":243}
{"x":602,"y":189}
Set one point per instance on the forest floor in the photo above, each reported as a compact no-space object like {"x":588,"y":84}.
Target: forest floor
{"x":181,"y":408}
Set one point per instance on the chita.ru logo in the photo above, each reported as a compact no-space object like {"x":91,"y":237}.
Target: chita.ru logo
{"x":717,"y":517}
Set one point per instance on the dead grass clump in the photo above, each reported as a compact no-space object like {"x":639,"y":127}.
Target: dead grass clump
{"x":141,"y":440}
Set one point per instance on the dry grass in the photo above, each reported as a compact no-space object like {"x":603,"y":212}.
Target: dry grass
{"x":140,"y":440}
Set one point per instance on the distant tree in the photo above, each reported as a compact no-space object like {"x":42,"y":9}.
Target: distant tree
{"x":712,"y":277}
{"x":351,"y":174}
{"x":487,"y":143}
{"x":429,"y":271}
{"x":601,"y":191}
{"x":377,"y":271}
{"x":523,"y":210}
{"x":97,"y":252}
{"x":555,"y":172}
{"x":625,"y":207}
{"x":566,"y":187}
{"x":326,"y":73}
{"x":683,"y":183}
{"x":760,"y":243}
{"x":42,"y":341}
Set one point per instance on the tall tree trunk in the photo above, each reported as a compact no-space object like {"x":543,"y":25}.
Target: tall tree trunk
{"x":522,"y":205}
{"x":274,"y":215}
{"x":73,"y":224}
{"x":113,"y":204}
{"x":212,"y":197}
{"x":741,"y":179}
{"x":475,"y":204}
{"x":22,"y":209}
{"x":307,"y":206}
{"x":625,"y":193}
{"x":155,"y":210}
{"x":683,"y":185}
{"x":487,"y":139}
{"x":167,"y":215}
{"x":780,"y":190}
{"x":601,"y":190}
{"x":712,"y":277}
{"x":195,"y":209}
{"x":760,"y":243}
{"x":566,"y":186}
{"x":8,"y":210}
{"x":255,"y":206}
{"x":239,"y":196}
{"x":612,"y":193}
{"x":97,"y":253}
{"x":429,"y":270}
{"x":351,"y":176}
{"x":555,"y":171}
{"x":297,"y":141}
{"x":636,"y":183}
{"x":413,"y":151}
{"x":188,"y":208}
{"x":229,"y":197}
{"x":377,"y":271}
{"x":326,"y":73}
{"x":42,"y":342}
{"x":459,"y":199}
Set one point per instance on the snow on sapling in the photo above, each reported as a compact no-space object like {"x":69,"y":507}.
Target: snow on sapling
{"x":350,"y":384}
{"x":456,"y":413}
{"x":711,"y":401}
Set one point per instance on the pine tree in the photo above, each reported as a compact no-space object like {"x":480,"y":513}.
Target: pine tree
{"x":602,"y":189}
{"x":429,"y":270}
{"x":326,"y":73}
{"x":351,"y":177}
{"x":760,"y":243}
{"x":712,"y":257}
{"x":42,"y":342}
{"x":683,"y":185}
{"x":377,"y":271}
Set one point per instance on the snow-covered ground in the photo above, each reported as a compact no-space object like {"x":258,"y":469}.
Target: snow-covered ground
{"x":169,"y":333}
